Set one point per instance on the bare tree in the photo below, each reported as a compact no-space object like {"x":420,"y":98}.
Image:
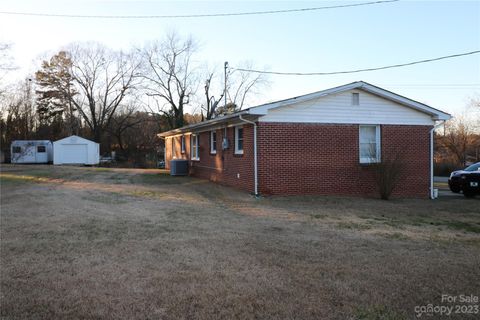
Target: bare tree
{"x":17,"y":115}
{"x":126,"y":119}
{"x":459,"y":138}
{"x":6,"y":59}
{"x":212,"y":103}
{"x":243,"y":84}
{"x":6,"y":62}
{"x":103,"y":79}
{"x":169,"y":75}
{"x":474,"y":105}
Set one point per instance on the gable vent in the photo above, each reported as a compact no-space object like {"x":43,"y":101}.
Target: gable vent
{"x":355,"y":99}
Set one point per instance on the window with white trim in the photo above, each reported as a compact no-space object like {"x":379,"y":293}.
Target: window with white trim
{"x":194,"y":143}
{"x":239,"y":140}
{"x":369,"y":142}
{"x":182,"y":144}
{"x":213,"y":142}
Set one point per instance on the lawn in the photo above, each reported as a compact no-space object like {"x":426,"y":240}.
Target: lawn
{"x":90,"y":243}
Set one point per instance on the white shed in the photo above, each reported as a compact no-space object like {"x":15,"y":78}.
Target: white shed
{"x":31,"y":151}
{"x":76,"y":150}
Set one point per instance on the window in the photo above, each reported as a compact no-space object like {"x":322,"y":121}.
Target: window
{"x":355,"y":99}
{"x":194,"y":146}
{"x":182,"y":144}
{"x":17,"y":149}
{"x":473,"y":167}
{"x":369,"y":144}
{"x":213,"y":142}
{"x":238,"y":140}
{"x":41,"y":149}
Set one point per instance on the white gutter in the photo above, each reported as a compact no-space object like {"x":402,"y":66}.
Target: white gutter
{"x":255,"y":164}
{"x":431,"y":158}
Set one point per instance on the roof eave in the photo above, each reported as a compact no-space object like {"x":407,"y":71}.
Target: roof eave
{"x":203,"y":124}
{"x":421,"y":107}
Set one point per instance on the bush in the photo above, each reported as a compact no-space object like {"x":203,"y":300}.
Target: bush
{"x":387,"y":174}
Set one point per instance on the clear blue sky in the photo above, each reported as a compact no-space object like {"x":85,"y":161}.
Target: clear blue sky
{"x":316,"y":41}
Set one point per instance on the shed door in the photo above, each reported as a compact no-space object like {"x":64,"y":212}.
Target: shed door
{"x":74,"y":153}
{"x":41,"y":154}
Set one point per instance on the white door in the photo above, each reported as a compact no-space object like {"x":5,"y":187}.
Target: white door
{"x":74,"y":153}
{"x":41,"y":154}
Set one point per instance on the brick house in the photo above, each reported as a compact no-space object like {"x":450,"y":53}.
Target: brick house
{"x":319,"y":143}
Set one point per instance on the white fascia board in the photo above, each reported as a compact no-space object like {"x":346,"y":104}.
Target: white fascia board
{"x":436,"y":114}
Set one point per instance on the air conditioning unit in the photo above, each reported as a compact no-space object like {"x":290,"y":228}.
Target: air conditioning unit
{"x":178,"y":167}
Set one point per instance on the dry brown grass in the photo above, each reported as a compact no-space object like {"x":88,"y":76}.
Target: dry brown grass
{"x":84,"y":243}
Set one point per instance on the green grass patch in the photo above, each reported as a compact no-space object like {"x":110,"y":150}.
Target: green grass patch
{"x":101,"y":169}
{"x":21,"y":178}
{"x":473,"y":227}
{"x":11,"y":181}
{"x":117,"y":179}
{"x":461,"y":225}
{"x":395,"y":223}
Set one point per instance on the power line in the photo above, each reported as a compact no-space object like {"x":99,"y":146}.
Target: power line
{"x":453,"y":86}
{"x":435,"y":87}
{"x":358,"y":70}
{"x":192,"y":15}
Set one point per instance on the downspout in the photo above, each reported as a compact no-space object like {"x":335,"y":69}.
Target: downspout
{"x":255,"y":164}
{"x":431,"y":158}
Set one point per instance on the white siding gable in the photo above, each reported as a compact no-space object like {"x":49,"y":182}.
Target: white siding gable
{"x":338,"y":108}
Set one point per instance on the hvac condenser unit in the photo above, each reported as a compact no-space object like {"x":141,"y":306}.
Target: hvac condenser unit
{"x":178,"y":167}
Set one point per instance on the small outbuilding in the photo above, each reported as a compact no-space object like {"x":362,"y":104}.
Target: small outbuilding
{"x":31,"y":151}
{"x":76,"y":150}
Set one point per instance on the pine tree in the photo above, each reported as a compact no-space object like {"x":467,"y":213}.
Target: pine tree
{"x":55,"y":92}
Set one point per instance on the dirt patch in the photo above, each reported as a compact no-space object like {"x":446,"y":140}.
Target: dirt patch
{"x":123,"y":244}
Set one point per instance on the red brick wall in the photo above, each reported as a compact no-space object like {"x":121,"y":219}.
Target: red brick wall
{"x":223,"y":167}
{"x":311,"y":159}
{"x":413,"y":145}
{"x":324,"y":159}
